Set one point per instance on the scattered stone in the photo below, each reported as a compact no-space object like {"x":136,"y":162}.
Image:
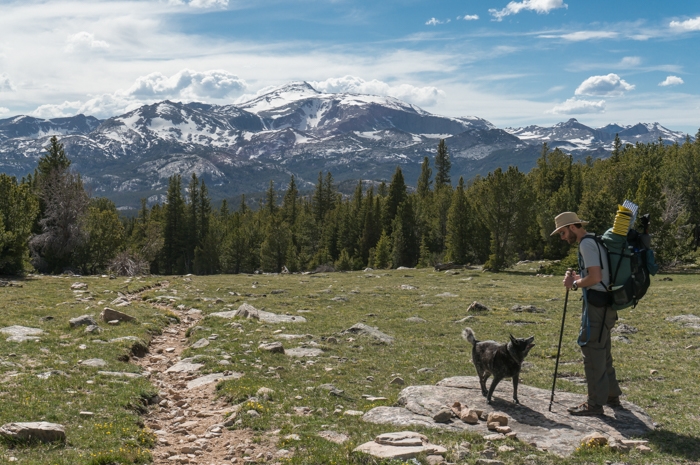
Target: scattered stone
{"x":94,"y":362}
{"x":400,"y":446}
{"x":492,"y":425}
{"x":21,"y":333}
{"x":503,"y":429}
{"x":435,"y":459}
{"x":623,"y":339}
{"x":110,"y":315}
{"x":184,"y":366}
{"x":273,"y":348}
{"x":361,"y":328}
{"x":93,"y":329}
{"x":505,"y":448}
{"x":79,"y":286}
{"x":113,"y":322}
{"x":86,"y":320}
{"x":500,"y":418}
{"x":302,"y":352}
{"x":464,"y":413}
{"x":623,"y":328}
{"x":415,"y":319}
{"x":643,"y":449}
{"x":407,"y":287}
{"x":443,"y":415}
{"x":653,"y":372}
{"x":122,"y":374}
{"x":200,"y":344}
{"x":527,"y":308}
{"x":40,"y":430}
{"x":248,"y":311}
{"x":477,"y":307}
{"x":426,"y":370}
{"x":594,"y":439}
{"x":48,"y":374}
{"x":340,"y":298}
{"x":265,"y":393}
{"x":488,"y":453}
{"x":332,"y":436}
{"x":86,"y":414}
{"x":353,"y":413}
{"x":398,"y":380}
{"x":212,"y":378}
{"x":488,"y":462}
{"x":494,"y":437}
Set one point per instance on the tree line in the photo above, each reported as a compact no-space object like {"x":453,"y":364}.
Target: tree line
{"x":49,"y":223}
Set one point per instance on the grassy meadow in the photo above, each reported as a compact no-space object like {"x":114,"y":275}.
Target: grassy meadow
{"x":331,"y":303}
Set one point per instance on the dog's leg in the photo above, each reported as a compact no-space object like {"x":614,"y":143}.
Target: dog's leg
{"x":515,"y":388}
{"x":494,"y":383}
{"x":483,"y":377}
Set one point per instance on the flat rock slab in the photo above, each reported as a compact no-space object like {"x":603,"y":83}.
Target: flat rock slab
{"x":94,"y":362}
{"x":374,"y":333}
{"x":212,"y":378}
{"x":303,"y":352}
{"x":122,"y":374}
{"x":20,"y":331}
{"x":109,"y":314}
{"x":22,"y":338}
{"x":184,"y":366}
{"x":332,"y":436}
{"x":248,"y":311}
{"x":556,"y":431}
{"x":40,"y":430}
{"x":402,"y":445}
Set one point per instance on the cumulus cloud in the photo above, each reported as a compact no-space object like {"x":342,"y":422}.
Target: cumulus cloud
{"x":435,"y":22}
{"x":539,"y":6}
{"x":610,"y":85}
{"x":687,"y":25}
{"x":421,"y":96}
{"x":6,"y":84}
{"x":671,"y":81}
{"x":56,"y":111}
{"x":468,"y":17}
{"x":84,"y":42}
{"x":574,"y":106}
{"x":4,"y":110}
{"x":187,"y":84}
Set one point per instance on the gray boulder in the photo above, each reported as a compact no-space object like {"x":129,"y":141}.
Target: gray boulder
{"x":363,"y":329}
{"x":273,"y":348}
{"x":109,"y":314}
{"x":82,"y":320}
{"x":39,"y":430}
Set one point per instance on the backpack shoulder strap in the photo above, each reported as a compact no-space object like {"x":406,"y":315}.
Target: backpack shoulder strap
{"x":598,"y":241}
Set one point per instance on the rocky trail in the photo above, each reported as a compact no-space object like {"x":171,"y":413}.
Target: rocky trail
{"x":188,"y":418}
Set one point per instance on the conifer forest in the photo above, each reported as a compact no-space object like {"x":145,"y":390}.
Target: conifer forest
{"x":50,"y":224}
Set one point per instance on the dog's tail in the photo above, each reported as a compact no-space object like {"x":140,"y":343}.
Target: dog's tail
{"x":468,"y":334}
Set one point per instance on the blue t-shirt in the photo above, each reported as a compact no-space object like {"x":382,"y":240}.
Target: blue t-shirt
{"x":591,"y":255}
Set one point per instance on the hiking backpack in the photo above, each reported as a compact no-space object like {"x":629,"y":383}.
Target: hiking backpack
{"x":631,"y":262}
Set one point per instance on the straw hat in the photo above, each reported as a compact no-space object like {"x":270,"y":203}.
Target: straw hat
{"x":565,"y":219}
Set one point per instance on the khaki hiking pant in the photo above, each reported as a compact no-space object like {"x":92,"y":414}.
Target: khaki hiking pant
{"x":597,"y":359}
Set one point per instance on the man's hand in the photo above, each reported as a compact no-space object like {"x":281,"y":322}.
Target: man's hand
{"x":569,"y":278}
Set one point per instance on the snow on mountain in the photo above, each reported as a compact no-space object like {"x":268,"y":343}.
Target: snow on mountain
{"x":291,"y":130}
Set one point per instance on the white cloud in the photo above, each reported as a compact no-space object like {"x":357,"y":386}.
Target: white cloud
{"x":433,"y":22}
{"x":540,"y":6}
{"x":687,"y":25}
{"x":630,"y":62}
{"x":84,"y":42}
{"x":187,"y":84}
{"x":574,"y":106}
{"x":468,"y":17}
{"x":671,"y":81}
{"x":4,"y":110}
{"x":56,"y":111}
{"x":421,"y":96}
{"x":610,"y":85}
{"x":580,"y":36}
{"x":6,"y":84}
{"x":201,"y":3}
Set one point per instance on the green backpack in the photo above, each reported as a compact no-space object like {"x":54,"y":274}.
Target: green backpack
{"x":631,"y":262}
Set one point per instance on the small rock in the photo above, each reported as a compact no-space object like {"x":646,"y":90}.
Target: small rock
{"x":264,"y":393}
{"x":443,"y":415}
{"x":41,"y":431}
{"x":435,"y":459}
{"x":623,"y":328}
{"x":477,"y":307}
{"x":86,"y":320}
{"x":398,"y":381}
{"x":86,"y":414}
{"x":505,"y":448}
{"x":94,"y":362}
{"x":488,"y":453}
{"x":499,"y":417}
{"x":503,"y":429}
{"x":415,"y":319}
{"x":79,"y":286}
{"x":273,"y":348}
{"x":488,"y":462}
{"x":201,"y":343}
{"x":594,"y":440}
{"x":527,"y":308}
{"x":643,"y":449}
{"x":653,"y":372}
{"x":93,"y":329}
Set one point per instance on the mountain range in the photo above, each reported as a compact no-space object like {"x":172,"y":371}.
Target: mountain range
{"x":292,"y":130}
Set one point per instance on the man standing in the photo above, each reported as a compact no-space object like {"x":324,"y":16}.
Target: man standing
{"x":597,"y":318}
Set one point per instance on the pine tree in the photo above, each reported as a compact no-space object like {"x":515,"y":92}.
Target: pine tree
{"x":424,"y":180}
{"x":397,"y":195}
{"x":617,"y":145}
{"x":271,"y":199}
{"x":173,"y":240}
{"x":290,"y":202}
{"x":404,"y":237}
{"x":18,"y":209}
{"x":319,"y":200}
{"x":457,"y":240}
{"x":442,"y":166}
{"x":382,"y":254}
{"x":192,"y":239}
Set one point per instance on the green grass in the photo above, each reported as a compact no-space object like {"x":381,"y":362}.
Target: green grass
{"x":356,"y":366}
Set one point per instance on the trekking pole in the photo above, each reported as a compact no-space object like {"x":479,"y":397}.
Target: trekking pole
{"x":561,"y":333}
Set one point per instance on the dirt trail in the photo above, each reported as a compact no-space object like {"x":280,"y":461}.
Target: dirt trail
{"x":189,"y":419}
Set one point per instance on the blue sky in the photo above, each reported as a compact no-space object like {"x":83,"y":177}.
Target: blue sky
{"x":513,"y":63}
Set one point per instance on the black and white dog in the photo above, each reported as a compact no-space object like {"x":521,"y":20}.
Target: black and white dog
{"x":499,"y":360}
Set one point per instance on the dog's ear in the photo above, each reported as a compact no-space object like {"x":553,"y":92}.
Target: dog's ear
{"x":513,"y":340}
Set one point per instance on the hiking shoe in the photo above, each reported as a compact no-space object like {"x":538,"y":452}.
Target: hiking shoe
{"x":586,"y":409}
{"x":614,"y":402}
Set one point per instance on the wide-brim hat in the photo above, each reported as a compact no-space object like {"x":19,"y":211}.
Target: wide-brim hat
{"x":565,"y":219}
